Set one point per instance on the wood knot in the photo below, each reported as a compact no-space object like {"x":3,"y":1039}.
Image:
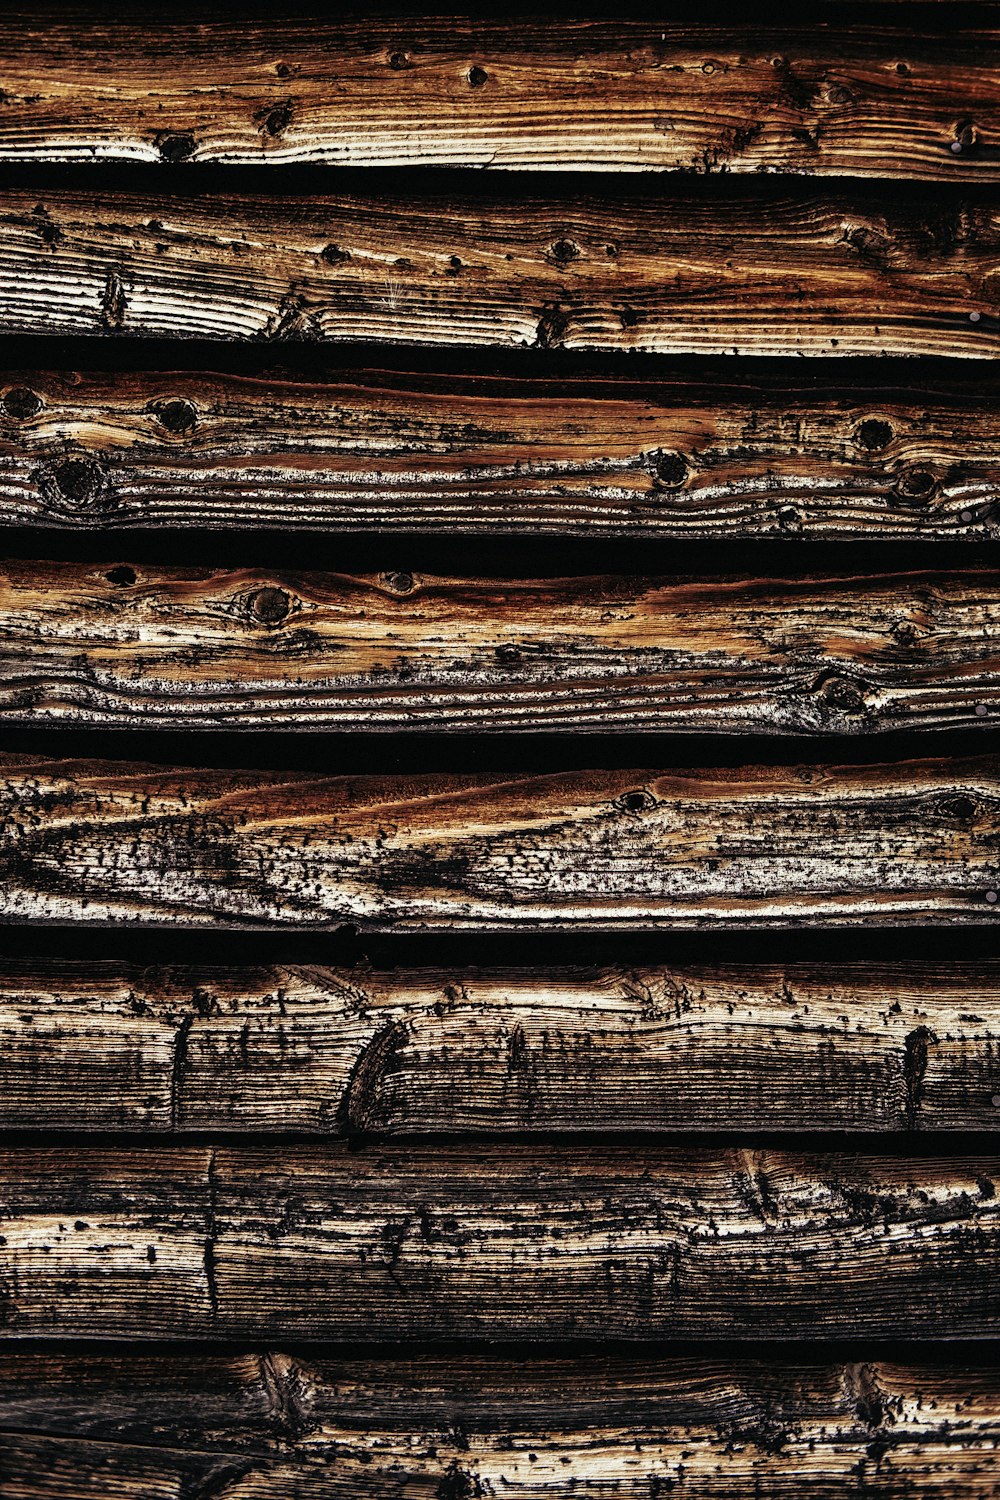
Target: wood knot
{"x":175,"y":145}
{"x":399,"y":62}
{"x":670,"y":470}
{"x":269,"y":606}
{"x":178,"y":416}
{"x":638,"y":801}
{"x":564,"y":251}
{"x":20,"y":403}
{"x":334,"y":255}
{"x":477,"y":77}
{"x":275,"y":119}
{"x":966,"y":138}
{"x":122,"y":577}
{"x":399,"y":583}
{"x":78,"y":485}
{"x":874,"y":434}
{"x":842,"y":694}
{"x":962,"y":808}
{"x":916,"y":486}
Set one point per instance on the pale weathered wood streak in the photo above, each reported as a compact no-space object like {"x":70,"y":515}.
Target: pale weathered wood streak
{"x":158,"y":1425}
{"x":745,"y":271}
{"x":122,"y":647}
{"x":98,"y":841}
{"x":107,"y":1047}
{"x":572,"y":94}
{"x":385,"y":450}
{"x":500,"y":1243}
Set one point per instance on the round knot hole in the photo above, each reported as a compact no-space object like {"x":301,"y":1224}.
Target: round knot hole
{"x":843,"y":694}
{"x":177,"y":146}
{"x":177,"y":416}
{"x":961,"y":807}
{"x":76,"y":484}
{"x":873,"y":434}
{"x":20,"y":403}
{"x":670,"y":469}
{"x":121,"y":576}
{"x":477,"y":76}
{"x":639,"y":801}
{"x":916,"y":486}
{"x":563,"y":251}
{"x":400,"y":583}
{"x":399,"y":62}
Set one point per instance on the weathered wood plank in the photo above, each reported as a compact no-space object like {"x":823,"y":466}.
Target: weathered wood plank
{"x":97,"y":842}
{"x":297,"y":1427}
{"x":326,"y":1242}
{"x":627,"y":95}
{"x":847,"y":1047}
{"x":382,"y":450}
{"x":747,"y":271}
{"x":196,"y":648}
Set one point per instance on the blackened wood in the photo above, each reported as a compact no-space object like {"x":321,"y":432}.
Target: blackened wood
{"x":98,"y":841}
{"x":529,"y":94}
{"x":496,"y":1243}
{"x":151,"y":1423}
{"x":748,"y":270}
{"x":387,"y":450}
{"x":126,"y":648}
{"x":101,"y":1047}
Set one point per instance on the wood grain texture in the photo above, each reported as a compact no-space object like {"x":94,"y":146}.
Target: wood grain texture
{"x":386,"y":450}
{"x":504,"y":1243}
{"x":622,"y":95}
{"x":159,"y":1425}
{"x":102,"y":1047}
{"x":196,"y":649}
{"x":97,"y":842}
{"x":746,"y":271}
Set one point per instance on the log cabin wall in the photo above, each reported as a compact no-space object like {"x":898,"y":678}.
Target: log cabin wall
{"x":499,"y":795}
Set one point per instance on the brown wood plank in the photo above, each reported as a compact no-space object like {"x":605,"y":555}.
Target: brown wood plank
{"x":297,"y":1427}
{"x":200,"y":649}
{"x":745,"y":271}
{"x":503,"y":1243}
{"x":102,"y":1047}
{"x":381,"y":450}
{"x":538,"y":95}
{"x":97,"y":842}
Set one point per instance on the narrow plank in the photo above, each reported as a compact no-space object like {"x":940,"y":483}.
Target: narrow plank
{"x":98,"y":842}
{"x":750,"y":271}
{"x":584,"y":95}
{"x":433,"y":1429}
{"x":381,"y":450}
{"x":105,"y":1047}
{"x":504,"y":1243}
{"x":122,"y":647}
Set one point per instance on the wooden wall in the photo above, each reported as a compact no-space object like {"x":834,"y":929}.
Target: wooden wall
{"x":499,"y":802}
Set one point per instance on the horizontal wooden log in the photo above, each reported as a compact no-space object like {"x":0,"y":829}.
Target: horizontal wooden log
{"x":159,"y":1425}
{"x":193,"y":649}
{"x":382,"y":450}
{"x":98,"y":842}
{"x":324,"y":1242}
{"x":748,"y":271}
{"x":627,"y":95}
{"x":104,"y":1047}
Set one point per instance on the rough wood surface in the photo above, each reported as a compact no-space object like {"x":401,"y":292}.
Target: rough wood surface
{"x":97,"y":842}
{"x":622,"y":95}
{"x":162,"y":1426}
{"x":746,"y":271}
{"x":125,"y":647}
{"x":381,"y":450}
{"x":497,"y":1243}
{"x":849,"y":1047}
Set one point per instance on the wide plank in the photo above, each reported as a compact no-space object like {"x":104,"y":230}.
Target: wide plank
{"x":101,"y":841}
{"x":506,"y":93}
{"x":299,"y":1426}
{"x":123,"y":647}
{"x":107,"y":1047}
{"x":503,"y":1243}
{"x":383,"y":450}
{"x":752,"y":270}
